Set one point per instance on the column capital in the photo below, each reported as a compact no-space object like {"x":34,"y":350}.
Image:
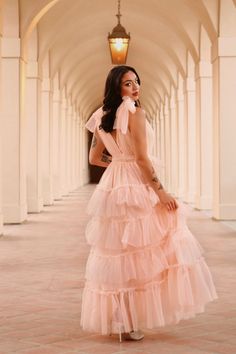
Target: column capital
{"x":189,"y":84}
{"x":64,"y":103}
{"x":172,"y":105}
{"x":161,"y":115}
{"x":70,"y":110}
{"x":173,"y":101}
{"x":157,"y":115}
{"x":56,"y":96}
{"x":32,"y":70}
{"x":46,"y":85}
{"x":180,"y":95}
{"x":166,"y":111}
{"x":77,"y":116}
{"x":203,"y":69}
{"x":166,"y":106}
{"x":10,"y":47}
{"x":82,"y":123}
{"x":74,"y":117}
{"x":223,"y":47}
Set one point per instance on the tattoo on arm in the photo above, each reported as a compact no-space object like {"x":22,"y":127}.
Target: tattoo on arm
{"x":94,"y":141}
{"x":156,"y":180}
{"x":106,"y":158}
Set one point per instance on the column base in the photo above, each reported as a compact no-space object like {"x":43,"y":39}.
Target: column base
{"x":85,"y":177}
{"x":35,"y":205}
{"x":56,"y":188}
{"x":47,"y":193}
{"x":180,"y":194}
{"x":225,"y":212}
{"x":1,"y":224}
{"x":203,"y":202}
{"x":174,"y":190}
{"x":47,"y":201}
{"x":65,"y":191}
{"x":189,"y":198}
{"x":14,"y":214}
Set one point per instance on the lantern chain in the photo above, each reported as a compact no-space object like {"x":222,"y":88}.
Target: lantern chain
{"x":119,"y":14}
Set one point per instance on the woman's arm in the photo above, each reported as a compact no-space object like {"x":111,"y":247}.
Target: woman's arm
{"x":96,"y":153}
{"x":137,"y":125}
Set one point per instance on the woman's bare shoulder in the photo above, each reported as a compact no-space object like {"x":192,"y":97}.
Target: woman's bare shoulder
{"x":137,"y":119}
{"x":139,"y":112}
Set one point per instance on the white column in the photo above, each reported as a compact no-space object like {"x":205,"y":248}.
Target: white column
{"x":47,"y":142}
{"x":156,"y":134}
{"x":14,"y":137}
{"x":174,"y":144}
{"x":69,"y":156}
{"x":154,"y":125}
{"x":162,"y":136}
{"x":56,"y":143}
{"x":204,"y":122}
{"x":1,"y":215}
{"x":1,"y":138}
{"x":34,"y":165}
{"x":181,"y":140}
{"x":158,"y":141}
{"x":224,"y":128}
{"x":68,"y":146}
{"x":63,"y":139}
{"x":157,"y":123}
{"x":77,"y":150}
{"x":80,"y":154}
{"x":190,"y":140}
{"x":85,"y":156}
{"x":167,"y":142}
{"x":73,"y":149}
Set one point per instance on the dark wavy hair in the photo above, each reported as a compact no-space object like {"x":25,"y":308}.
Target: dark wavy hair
{"x":112,"y":95}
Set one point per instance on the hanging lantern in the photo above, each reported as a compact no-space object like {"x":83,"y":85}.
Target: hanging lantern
{"x":118,"y":41}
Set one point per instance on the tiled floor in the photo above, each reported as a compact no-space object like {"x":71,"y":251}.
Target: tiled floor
{"x":42,"y":267}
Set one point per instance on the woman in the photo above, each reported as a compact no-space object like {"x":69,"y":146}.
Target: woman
{"x":145,"y":268}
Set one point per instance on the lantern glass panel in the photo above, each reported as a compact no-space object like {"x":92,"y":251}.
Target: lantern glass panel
{"x":118,"y":49}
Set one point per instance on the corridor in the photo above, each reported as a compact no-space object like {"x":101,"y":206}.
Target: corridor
{"x":43,"y":262}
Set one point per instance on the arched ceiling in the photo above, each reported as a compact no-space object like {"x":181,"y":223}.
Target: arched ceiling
{"x":74,"y":32}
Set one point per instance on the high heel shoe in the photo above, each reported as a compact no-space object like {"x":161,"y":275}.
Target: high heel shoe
{"x":133,"y":335}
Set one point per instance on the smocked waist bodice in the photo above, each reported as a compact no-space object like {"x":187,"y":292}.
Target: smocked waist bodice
{"x":123,"y":158}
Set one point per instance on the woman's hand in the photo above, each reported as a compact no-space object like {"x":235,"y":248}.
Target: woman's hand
{"x":169,"y":202}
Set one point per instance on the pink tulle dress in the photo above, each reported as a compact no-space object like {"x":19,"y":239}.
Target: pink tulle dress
{"x":145,"y":268}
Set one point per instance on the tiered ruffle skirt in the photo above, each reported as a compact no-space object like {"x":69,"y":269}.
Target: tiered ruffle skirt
{"x":145,"y":268}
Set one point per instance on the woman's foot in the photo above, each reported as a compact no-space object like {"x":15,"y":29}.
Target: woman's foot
{"x":133,"y":335}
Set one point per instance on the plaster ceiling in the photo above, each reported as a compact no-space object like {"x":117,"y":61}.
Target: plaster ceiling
{"x":74,"y":32}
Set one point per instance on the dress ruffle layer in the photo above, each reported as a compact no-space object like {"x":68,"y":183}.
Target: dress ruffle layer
{"x":124,"y":201}
{"x":143,"y":264}
{"x":146,"y":229}
{"x":180,"y":293}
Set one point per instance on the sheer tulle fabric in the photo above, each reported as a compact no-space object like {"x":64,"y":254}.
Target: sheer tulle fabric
{"x":145,"y":268}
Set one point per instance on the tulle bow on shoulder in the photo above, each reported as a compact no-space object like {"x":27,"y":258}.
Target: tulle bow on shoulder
{"x":94,"y":120}
{"x":122,"y":114}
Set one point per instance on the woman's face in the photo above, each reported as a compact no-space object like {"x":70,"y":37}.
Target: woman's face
{"x":130,"y":86}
